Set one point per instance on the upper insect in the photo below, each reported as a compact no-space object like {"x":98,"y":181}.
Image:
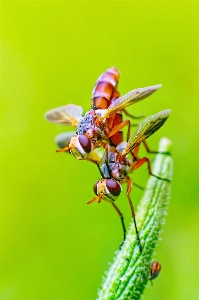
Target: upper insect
{"x":98,"y":124}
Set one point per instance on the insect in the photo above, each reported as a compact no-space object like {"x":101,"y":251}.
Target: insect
{"x":155,"y":269}
{"x":105,"y":89}
{"x":116,"y":166}
{"x":96,"y":125}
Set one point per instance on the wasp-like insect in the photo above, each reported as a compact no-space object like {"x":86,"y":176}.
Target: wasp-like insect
{"x":105,"y":89}
{"x":98,"y":125}
{"x":116,"y":166}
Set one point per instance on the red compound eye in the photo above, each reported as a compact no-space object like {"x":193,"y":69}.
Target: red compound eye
{"x":113,"y":187}
{"x":85,"y":143}
{"x":95,"y":188}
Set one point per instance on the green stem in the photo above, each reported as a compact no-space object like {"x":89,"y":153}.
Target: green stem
{"x":130,"y":271}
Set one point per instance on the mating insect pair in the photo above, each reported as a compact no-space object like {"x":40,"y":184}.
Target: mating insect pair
{"x":98,"y":124}
{"x":101,"y":126}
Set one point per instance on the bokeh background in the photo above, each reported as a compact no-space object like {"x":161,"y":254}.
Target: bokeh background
{"x":53,"y":245}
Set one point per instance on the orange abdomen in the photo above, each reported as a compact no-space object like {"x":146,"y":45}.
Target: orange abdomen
{"x":112,"y":122}
{"x":104,"y":89}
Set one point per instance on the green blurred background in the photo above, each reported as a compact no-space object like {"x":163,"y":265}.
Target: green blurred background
{"x":53,"y":245}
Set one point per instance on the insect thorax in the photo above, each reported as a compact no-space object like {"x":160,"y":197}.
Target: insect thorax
{"x":116,"y":167}
{"x":87,"y":126}
{"x":115,"y":170}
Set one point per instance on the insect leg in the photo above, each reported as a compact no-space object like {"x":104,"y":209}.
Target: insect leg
{"x":134,"y":125}
{"x":134,"y":154}
{"x":143,"y":160}
{"x":119,"y":127}
{"x":138,"y":186}
{"x":129,"y":188}
{"x":151,"y":151}
{"x":98,"y":166}
{"x":65,"y":149}
{"x":105,"y":146}
{"x":122,"y":220}
{"x":133,"y":117}
{"x":92,"y":200}
{"x":99,"y":198}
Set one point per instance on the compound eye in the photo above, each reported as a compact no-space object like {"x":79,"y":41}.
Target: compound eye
{"x":95,"y":187}
{"x":85,"y":143}
{"x":113,"y":187}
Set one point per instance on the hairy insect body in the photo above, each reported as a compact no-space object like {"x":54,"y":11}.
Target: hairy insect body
{"x":89,"y":126}
{"x":116,"y":167}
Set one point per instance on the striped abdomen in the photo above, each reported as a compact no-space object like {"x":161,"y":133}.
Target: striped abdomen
{"x":104,"y":89}
{"x":112,"y":122}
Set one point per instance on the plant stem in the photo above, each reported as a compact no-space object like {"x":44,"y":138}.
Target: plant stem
{"x":130,"y":270}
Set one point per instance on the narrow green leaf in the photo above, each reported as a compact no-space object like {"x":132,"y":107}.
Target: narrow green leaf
{"x":130,"y":270}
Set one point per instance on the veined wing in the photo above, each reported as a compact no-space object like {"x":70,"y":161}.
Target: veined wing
{"x":145,"y":129}
{"x":130,"y":98}
{"x":62,"y":139}
{"x":66,"y":115}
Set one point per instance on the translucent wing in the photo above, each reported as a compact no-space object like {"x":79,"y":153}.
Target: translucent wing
{"x":128,"y":99}
{"x":62,"y":139}
{"x":145,"y":129}
{"x":66,"y":115}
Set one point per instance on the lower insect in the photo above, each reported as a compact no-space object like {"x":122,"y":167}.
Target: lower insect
{"x":116,"y":167}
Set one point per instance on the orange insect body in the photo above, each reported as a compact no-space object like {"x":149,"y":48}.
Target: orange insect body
{"x":112,"y":122}
{"x":104,"y":89}
{"x":155,"y":269}
{"x":103,"y":121}
{"x":103,"y":95}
